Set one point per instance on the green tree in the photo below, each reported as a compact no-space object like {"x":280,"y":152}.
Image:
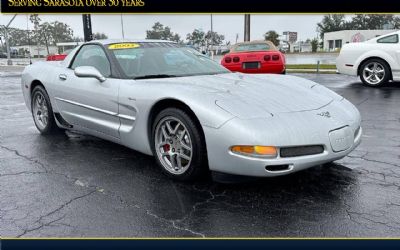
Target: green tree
{"x":314,"y":45}
{"x":77,"y":39}
{"x":200,"y":38}
{"x":272,"y":36}
{"x":99,"y":36}
{"x":159,"y":31}
{"x":213,"y":38}
{"x":17,"y":37}
{"x":331,"y":22}
{"x":196,"y":38}
{"x":61,"y":32}
{"x":45,"y":34}
{"x":49,"y":33}
{"x":374,"y":21}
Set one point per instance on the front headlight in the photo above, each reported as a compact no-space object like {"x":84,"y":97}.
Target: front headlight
{"x":255,"y":151}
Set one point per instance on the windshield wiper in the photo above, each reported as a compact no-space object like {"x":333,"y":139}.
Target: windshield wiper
{"x":154,"y":76}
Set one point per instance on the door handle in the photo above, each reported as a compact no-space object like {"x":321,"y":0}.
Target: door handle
{"x":62,"y":77}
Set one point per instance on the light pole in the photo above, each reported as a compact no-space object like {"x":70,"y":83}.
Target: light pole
{"x":122,"y":27}
{"x":246,"y":27}
{"x":87,"y":27}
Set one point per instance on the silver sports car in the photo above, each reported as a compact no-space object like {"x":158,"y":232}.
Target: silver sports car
{"x":193,"y":115}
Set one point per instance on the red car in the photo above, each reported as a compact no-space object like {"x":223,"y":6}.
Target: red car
{"x":255,"y":57}
{"x":58,"y":57}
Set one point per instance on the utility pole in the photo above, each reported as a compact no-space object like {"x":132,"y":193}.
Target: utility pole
{"x":9,"y":61}
{"x":87,"y":27}
{"x":122,"y":27}
{"x":246,"y":27}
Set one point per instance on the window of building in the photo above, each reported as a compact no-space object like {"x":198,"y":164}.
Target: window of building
{"x":338,"y":44}
{"x":330,"y":42}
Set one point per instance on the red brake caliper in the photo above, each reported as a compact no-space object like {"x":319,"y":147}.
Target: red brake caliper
{"x":166,"y":147}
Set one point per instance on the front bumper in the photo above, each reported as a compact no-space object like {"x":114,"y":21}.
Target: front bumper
{"x":344,"y":67}
{"x":287,"y":130}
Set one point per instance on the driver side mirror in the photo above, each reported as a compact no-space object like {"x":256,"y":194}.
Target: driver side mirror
{"x":89,"y":71}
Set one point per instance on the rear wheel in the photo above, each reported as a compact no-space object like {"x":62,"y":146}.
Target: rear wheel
{"x":42,"y":112}
{"x":178,"y":145}
{"x":375,"y":72}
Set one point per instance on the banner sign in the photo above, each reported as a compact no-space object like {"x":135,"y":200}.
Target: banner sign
{"x":203,"y":6}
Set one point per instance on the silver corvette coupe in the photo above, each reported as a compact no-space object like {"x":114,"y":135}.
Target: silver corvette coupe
{"x":193,"y":115}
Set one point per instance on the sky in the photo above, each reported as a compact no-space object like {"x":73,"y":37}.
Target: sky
{"x":135,"y":25}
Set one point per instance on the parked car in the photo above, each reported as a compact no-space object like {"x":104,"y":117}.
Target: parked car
{"x":192,"y":114}
{"x":255,"y":57}
{"x":376,"y":61}
{"x":58,"y":57}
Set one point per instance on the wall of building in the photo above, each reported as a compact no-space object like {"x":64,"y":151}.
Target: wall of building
{"x":335,"y":40}
{"x":35,"y":50}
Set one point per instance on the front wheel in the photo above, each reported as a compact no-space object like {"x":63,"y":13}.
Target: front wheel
{"x":178,"y":145}
{"x":375,"y":72}
{"x":42,"y":112}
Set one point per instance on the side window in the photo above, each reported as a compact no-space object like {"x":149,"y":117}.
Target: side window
{"x":93,"y":55}
{"x":389,"y":39}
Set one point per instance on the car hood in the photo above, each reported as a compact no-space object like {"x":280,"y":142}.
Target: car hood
{"x":252,"y":95}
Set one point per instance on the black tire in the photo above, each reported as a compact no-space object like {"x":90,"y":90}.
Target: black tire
{"x":382,"y":64}
{"x":198,"y":163}
{"x":51,"y":126}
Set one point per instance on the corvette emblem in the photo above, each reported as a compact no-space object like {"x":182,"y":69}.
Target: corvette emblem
{"x":325,"y":114}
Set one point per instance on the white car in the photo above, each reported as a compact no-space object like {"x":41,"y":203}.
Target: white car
{"x":376,"y":61}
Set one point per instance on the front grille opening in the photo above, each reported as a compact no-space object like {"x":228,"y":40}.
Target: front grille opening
{"x":274,"y":168}
{"x":301,"y":150}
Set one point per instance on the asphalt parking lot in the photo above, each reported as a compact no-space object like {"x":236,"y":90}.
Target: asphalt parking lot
{"x":79,"y":186}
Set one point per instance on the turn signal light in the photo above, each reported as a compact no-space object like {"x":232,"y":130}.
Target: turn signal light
{"x":257,"y":151}
{"x":228,"y":59}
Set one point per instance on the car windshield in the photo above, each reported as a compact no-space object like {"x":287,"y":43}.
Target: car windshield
{"x":159,"y":60}
{"x":252,"y":47}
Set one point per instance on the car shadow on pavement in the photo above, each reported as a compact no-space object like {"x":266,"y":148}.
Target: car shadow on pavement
{"x":136,"y":180}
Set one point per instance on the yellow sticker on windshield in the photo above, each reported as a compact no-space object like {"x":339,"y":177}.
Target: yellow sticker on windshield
{"x":124,"y":46}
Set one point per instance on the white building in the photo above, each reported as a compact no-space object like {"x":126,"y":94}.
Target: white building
{"x":41,"y":50}
{"x":62,"y":47}
{"x":301,"y":46}
{"x":333,"y":41}
{"x":34,"y":50}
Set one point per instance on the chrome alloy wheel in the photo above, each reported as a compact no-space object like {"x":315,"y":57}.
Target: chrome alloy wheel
{"x":374,"y":73}
{"x":40,"y":110}
{"x":173,"y":145}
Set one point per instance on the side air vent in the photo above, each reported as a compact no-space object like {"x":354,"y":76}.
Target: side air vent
{"x":301,"y":151}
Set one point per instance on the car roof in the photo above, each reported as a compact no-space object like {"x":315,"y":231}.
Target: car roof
{"x":111,"y":41}
{"x":270,"y":44}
